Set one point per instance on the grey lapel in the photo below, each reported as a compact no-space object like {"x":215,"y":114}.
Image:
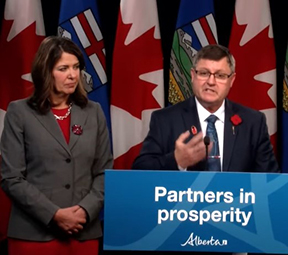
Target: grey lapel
{"x":229,"y":136}
{"x":50,"y":124}
{"x":78,"y":117}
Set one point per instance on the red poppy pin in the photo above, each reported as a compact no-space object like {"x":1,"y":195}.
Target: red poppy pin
{"x":77,"y":129}
{"x":194,"y":130}
{"x":236,"y":120}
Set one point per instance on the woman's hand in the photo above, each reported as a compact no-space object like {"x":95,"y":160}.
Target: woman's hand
{"x":70,"y":219}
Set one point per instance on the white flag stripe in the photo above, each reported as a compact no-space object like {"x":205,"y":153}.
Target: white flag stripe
{"x":271,"y":119}
{"x":142,"y":15}
{"x":27,"y":77}
{"x":211,"y":21}
{"x":2,"y":116}
{"x":134,"y":128}
{"x":245,"y":15}
{"x":155,"y":77}
{"x":130,"y":124}
{"x":80,"y":32}
{"x":93,"y":25}
{"x":24,"y":13}
{"x":120,"y":132}
{"x":98,"y":68}
{"x":200,"y":33}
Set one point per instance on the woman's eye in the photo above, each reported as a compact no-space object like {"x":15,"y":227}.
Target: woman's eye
{"x":62,"y":69}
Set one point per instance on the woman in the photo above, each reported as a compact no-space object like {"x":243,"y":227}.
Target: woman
{"x":55,"y":147}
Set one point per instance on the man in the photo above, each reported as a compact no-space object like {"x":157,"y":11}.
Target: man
{"x":240,"y":142}
{"x":175,"y":138}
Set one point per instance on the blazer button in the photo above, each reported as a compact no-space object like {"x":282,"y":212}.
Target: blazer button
{"x":68,"y":160}
{"x":67,"y":186}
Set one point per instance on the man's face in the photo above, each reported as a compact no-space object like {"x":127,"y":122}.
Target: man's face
{"x":212,"y":90}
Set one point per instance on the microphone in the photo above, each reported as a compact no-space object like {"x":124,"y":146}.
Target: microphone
{"x":206,"y":142}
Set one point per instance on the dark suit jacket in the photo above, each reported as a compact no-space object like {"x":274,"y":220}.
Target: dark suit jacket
{"x":248,"y":149}
{"x":42,"y":173}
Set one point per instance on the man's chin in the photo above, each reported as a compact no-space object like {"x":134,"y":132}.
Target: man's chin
{"x":210,"y":99}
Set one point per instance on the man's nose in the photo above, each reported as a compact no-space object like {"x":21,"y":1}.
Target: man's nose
{"x":211,"y":79}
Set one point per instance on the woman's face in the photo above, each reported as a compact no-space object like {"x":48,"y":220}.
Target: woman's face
{"x":66,"y":73}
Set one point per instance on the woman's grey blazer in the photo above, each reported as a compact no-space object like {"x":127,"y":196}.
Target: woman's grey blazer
{"x":42,"y":173}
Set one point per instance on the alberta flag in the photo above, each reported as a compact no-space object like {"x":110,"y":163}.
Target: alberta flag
{"x":285,"y":117}
{"x":195,"y":28}
{"x":80,"y":21}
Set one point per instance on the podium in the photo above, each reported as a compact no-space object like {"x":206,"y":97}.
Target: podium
{"x":196,"y":211}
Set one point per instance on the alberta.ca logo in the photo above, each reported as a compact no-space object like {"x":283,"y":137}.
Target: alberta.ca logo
{"x":195,"y":240}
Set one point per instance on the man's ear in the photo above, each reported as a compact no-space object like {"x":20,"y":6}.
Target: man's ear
{"x":232,"y":80}
{"x":192,"y":74}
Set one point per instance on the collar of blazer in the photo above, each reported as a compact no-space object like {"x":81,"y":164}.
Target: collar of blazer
{"x":78,"y":117}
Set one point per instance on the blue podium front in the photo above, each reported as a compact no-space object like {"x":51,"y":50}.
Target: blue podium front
{"x":196,"y":211}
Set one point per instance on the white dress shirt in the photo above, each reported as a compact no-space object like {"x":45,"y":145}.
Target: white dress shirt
{"x":203,"y":114}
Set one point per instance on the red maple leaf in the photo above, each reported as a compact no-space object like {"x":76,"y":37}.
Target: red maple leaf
{"x":16,"y":59}
{"x":255,"y":57}
{"x":141,"y":56}
{"x":125,"y":161}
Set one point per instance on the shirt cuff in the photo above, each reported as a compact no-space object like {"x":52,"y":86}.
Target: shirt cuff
{"x":182,"y":169}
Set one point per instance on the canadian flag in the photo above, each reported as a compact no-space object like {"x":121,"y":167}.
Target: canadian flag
{"x":252,"y":45}
{"x":22,"y":32}
{"x":137,"y":78}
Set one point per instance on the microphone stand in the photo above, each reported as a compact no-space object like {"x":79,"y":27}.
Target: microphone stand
{"x":206,"y":142}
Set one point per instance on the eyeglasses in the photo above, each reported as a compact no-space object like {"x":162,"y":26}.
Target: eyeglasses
{"x":203,"y":74}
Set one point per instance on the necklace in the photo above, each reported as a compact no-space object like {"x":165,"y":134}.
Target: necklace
{"x":64,"y":116}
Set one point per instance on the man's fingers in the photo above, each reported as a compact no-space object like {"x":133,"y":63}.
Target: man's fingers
{"x":183,"y":137}
{"x":79,"y":227}
{"x":196,"y":140}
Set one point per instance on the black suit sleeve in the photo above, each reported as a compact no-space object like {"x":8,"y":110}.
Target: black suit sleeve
{"x":264,"y":157}
{"x":157,"y":152}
